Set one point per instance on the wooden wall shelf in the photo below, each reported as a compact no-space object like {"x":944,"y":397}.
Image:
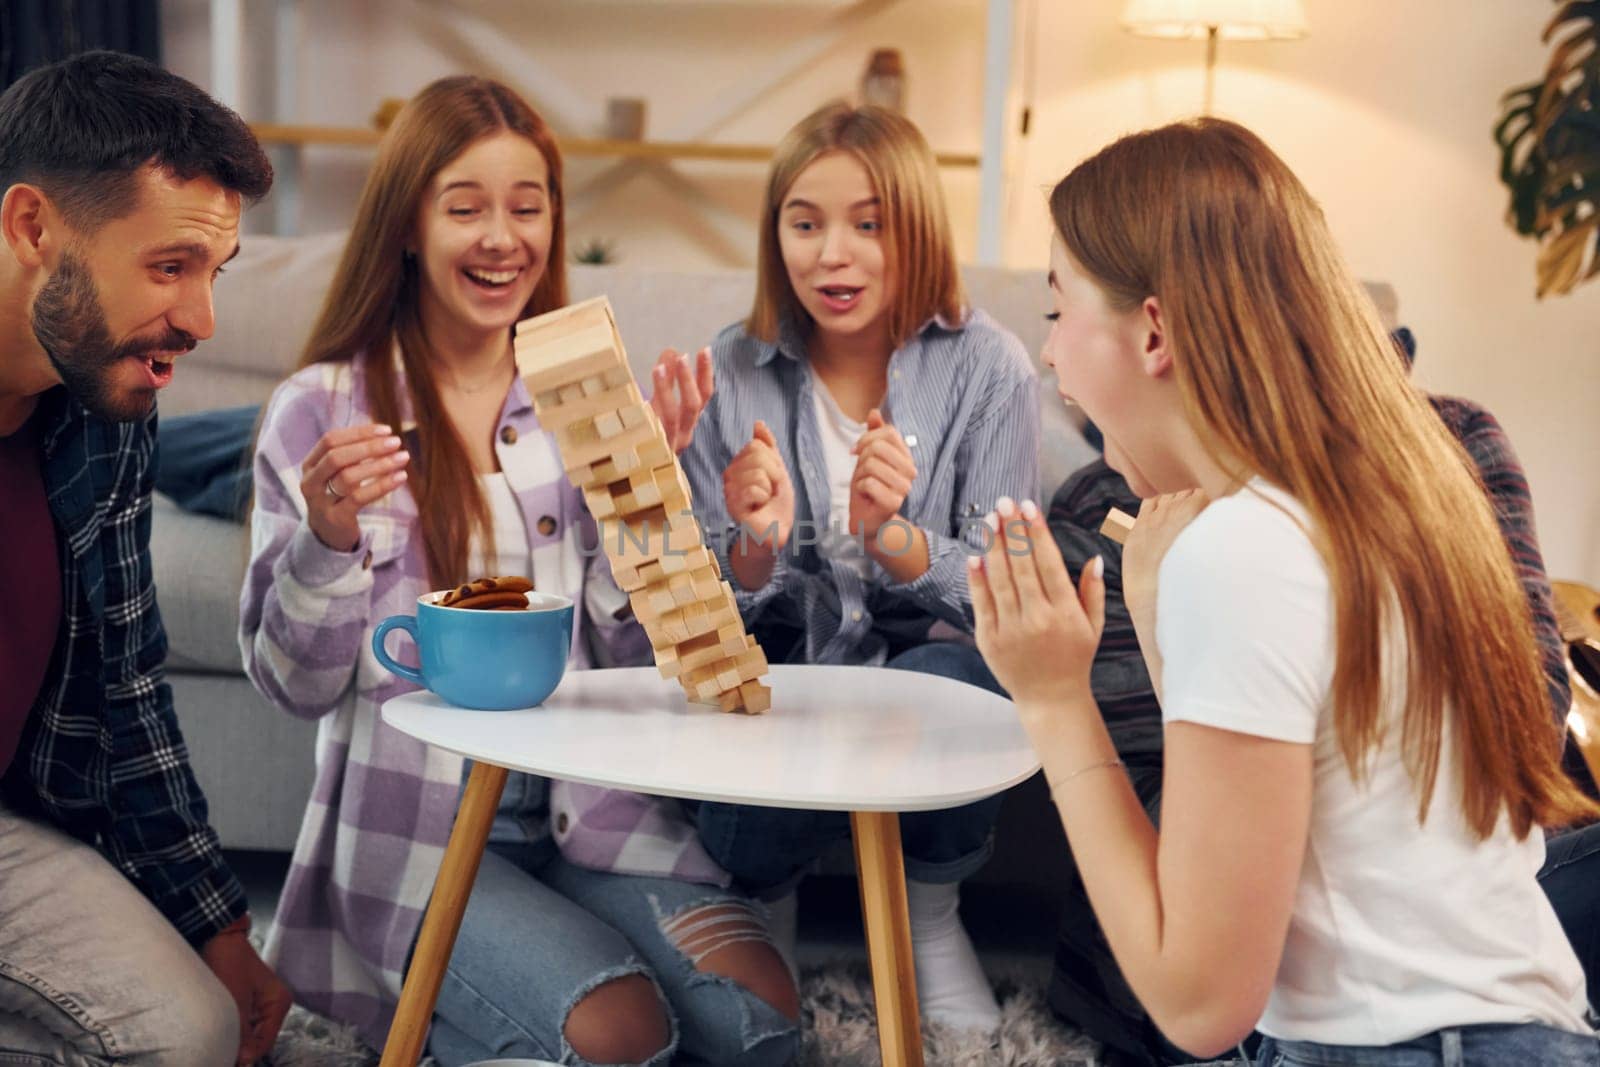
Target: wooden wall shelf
{"x":356,"y":136}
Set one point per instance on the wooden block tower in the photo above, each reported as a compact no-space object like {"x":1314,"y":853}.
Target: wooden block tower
{"x":613,"y":448}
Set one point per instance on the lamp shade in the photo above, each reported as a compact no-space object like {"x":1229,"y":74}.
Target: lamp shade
{"x":1241,"y":20}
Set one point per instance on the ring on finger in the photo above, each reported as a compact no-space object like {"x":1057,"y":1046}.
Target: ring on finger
{"x":331,"y":491}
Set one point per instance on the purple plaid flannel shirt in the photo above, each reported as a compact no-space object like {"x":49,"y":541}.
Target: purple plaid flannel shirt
{"x":383,"y":803}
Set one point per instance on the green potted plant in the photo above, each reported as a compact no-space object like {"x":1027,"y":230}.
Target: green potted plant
{"x":1549,"y":138}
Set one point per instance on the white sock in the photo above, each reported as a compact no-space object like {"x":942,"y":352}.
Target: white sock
{"x":783,"y":920}
{"x":951,"y":986}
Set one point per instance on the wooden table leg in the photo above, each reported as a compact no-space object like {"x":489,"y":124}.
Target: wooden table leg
{"x":881,"y":870}
{"x":457,"y":871}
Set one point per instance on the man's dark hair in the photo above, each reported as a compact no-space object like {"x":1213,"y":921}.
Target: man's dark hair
{"x":82,"y":128}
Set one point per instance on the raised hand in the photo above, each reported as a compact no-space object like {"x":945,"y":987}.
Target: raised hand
{"x":1161,"y":520}
{"x":347,"y":469}
{"x":682,"y":387}
{"x":757,"y":490}
{"x":1037,"y":631}
{"x":883,"y":476}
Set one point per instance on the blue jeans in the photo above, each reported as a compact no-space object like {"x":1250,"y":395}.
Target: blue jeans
{"x":1515,"y":1045}
{"x":539,"y":934}
{"x":768,"y":849}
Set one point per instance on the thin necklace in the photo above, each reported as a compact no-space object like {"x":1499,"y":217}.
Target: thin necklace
{"x":470,"y":390}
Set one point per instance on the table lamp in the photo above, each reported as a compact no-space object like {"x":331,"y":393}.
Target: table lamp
{"x":1238,"y":20}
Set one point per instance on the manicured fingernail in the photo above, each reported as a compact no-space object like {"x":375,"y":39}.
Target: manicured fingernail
{"x":392,"y":442}
{"x":1097,"y":567}
{"x":400,"y":456}
{"x":992,"y":521}
{"x":974,"y":563}
{"x":1030,"y":510}
{"x":1005,"y":505}
{"x":380,"y":429}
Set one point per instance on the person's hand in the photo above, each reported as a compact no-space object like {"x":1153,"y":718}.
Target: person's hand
{"x":261,"y":996}
{"x":1161,"y":520}
{"x":1037,"y":631}
{"x":347,"y":469}
{"x":681,"y":388}
{"x":757,"y":489}
{"x":882,"y":479}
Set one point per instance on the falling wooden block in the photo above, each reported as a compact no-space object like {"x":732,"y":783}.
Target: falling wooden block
{"x":1118,"y":525}
{"x":614,"y":449}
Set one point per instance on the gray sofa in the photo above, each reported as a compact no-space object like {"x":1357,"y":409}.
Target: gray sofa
{"x":255,"y":762}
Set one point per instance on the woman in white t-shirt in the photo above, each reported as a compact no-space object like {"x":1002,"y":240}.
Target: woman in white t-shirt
{"x":1358,"y":750}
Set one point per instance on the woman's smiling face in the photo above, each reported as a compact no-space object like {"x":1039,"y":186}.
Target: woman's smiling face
{"x":483,"y":235}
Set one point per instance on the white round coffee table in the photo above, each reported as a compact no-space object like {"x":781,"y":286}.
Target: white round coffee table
{"x":867,"y":740}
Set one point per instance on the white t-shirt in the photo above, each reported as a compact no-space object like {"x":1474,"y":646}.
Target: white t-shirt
{"x":839,"y":434}
{"x":1398,"y":929}
{"x":512,"y":555}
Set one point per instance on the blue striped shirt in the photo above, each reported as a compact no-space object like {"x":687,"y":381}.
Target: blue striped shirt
{"x":965,"y":398}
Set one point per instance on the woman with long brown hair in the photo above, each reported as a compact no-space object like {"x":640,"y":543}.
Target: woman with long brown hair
{"x":1358,"y":751}
{"x":404,"y":456}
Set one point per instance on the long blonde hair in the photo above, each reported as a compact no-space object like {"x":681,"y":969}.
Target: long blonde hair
{"x":1284,"y":367}
{"x":374,"y":300}
{"x":916,"y":226}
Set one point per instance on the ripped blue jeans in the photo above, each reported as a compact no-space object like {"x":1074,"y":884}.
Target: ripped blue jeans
{"x":540,"y":933}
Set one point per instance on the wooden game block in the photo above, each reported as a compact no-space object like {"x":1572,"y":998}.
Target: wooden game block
{"x":696,"y":619}
{"x":594,"y":386}
{"x":703,"y":649}
{"x":635,"y":415}
{"x":582,"y":445}
{"x":752,"y":698}
{"x":608,"y":424}
{"x":727,"y":674}
{"x":569,"y":359}
{"x":706,"y":581}
{"x":695,"y":559}
{"x":559,"y":413}
{"x":584,"y":315}
{"x":626,"y":577}
{"x":654,"y":535}
{"x":653,"y":453}
{"x":663,"y":598}
{"x":601,"y":504}
{"x":1118,"y":525}
{"x":681,"y":589}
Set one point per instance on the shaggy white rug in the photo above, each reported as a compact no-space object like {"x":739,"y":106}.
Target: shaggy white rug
{"x":839,"y":1031}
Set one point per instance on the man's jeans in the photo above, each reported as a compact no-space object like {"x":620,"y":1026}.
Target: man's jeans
{"x":768,"y":849}
{"x":90,"y":973}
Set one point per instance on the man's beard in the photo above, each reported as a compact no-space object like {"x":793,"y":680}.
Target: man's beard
{"x":71,"y":327}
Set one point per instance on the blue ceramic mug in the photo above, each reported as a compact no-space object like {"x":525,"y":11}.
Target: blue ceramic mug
{"x":485,"y":660}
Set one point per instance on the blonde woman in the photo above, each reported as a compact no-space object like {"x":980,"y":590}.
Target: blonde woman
{"x":864,"y":419}
{"x":1354,"y":788}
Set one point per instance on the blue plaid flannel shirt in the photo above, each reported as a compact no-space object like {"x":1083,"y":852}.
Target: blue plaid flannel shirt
{"x":102,"y":756}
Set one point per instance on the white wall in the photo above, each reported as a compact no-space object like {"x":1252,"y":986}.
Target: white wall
{"x":1384,"y":110}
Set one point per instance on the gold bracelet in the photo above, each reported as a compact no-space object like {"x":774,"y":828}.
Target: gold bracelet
{"x":1102,"y":765}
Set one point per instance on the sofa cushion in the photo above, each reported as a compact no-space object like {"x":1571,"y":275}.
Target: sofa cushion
{"x":199,"y":564}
